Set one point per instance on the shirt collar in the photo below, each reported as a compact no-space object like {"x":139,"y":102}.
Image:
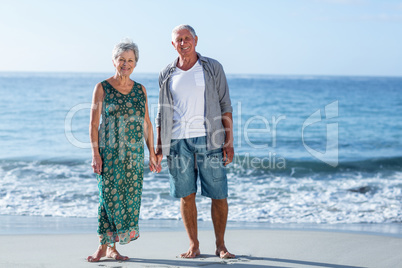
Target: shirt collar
{"x":174,"y":63}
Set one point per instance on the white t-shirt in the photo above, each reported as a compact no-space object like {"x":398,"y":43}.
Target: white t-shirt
{"x":188,"y":92}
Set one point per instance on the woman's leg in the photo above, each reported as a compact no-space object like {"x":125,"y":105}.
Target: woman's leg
{"x":99,"y":253}
{"x":114,"y":254}
{"x":106,"y":251}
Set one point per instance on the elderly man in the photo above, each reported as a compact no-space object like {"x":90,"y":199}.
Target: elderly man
{"x":195,"y":132}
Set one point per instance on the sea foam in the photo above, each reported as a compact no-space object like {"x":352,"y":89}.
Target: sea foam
{"x":69,"y":189}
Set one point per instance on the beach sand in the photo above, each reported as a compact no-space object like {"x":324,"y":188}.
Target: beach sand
{"x":254,"y":248}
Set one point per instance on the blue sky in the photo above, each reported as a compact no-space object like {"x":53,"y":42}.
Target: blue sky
{"x":299,"y":37}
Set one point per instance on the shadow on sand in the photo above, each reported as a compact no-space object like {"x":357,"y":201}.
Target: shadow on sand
{"x":205,"y":260}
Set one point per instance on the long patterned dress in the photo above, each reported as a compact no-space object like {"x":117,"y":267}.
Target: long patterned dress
{"x":121,"y":148}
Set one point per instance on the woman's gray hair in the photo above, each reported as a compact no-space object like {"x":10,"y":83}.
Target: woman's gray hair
{"x":125,"y":45}
{"x":183,"y":27}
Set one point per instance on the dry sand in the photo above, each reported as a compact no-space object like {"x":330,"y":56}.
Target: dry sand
{"x":254,"y":248}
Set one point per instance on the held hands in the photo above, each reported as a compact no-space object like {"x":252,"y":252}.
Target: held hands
{"x":154,"y":163}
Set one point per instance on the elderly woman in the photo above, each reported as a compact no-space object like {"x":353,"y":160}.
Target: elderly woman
{"x":118,"y":151}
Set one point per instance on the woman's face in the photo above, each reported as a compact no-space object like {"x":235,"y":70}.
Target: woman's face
{"x":125,"y":63}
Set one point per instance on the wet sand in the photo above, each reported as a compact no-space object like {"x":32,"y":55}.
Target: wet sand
{"x":253,"y":248}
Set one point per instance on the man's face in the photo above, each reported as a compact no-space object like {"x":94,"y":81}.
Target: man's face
{"x":184,"y":43}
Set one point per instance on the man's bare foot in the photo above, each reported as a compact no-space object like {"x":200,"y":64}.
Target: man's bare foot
{"x":223,"y":253}
{"x":101,"y":252}
{"x":191,"y":253}
{"x":114,"y":254}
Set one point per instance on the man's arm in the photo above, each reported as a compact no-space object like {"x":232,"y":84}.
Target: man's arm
{"x":226,"y":109}
{"x":159,"y":155}
{"x":158,"y":151}
{"x":228,"y":151}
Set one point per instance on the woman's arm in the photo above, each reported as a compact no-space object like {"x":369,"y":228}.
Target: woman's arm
{"x":149,"y":137}
{"x":96,"y":111}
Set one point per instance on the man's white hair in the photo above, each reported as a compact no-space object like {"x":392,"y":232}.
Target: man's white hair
{"x":183,"y":27}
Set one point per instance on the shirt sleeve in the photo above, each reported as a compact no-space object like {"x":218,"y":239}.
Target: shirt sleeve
{"x":223,"y":89}
{"x":158,"y":115}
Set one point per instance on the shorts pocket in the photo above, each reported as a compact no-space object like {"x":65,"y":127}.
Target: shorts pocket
{"x":172,"y":164}
{"x":215,"y":164}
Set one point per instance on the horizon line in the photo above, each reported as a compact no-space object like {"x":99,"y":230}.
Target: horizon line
{"x":227,"y":74}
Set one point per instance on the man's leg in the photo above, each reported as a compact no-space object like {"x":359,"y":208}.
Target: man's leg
{"x":188,"y":210}
{"x":219,"y":213}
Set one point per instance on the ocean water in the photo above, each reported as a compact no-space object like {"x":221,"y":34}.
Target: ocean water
{"x":309,"y":149}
